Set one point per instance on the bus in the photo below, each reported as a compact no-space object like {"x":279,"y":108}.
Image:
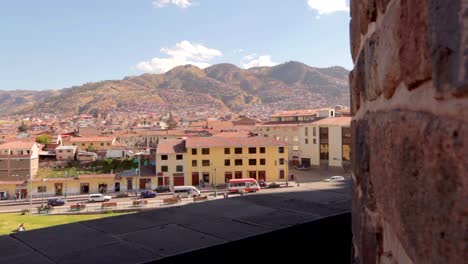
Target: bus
{"x":242,"y":186}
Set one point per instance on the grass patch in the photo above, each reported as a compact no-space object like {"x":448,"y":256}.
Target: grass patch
{"x":11,"y":221}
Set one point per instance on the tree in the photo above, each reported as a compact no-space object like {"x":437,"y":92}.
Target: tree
{"x":171,"y":123}
{"x":23,"y":127}
{"x":44,"y":139}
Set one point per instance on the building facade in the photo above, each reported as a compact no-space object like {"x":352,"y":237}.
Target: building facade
{"x":18,"y":160}
{"x":65,"y":152}
{"x":171,"y":162}
{"x":213,"y":160}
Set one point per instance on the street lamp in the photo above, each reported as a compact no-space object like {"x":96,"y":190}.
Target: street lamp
{"x":42,"y":191}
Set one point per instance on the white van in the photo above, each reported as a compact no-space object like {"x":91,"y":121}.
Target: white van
{"x":186,"y":191}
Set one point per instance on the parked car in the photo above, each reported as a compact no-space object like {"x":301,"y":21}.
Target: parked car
{"x":99,"y":198}
{"x":163,"y":189}
{"x":3,"y":195}
{"x":55,"y":202}
{"x":274,"y":185}
{"x":148,"y":194}
{"x":334,"y":178}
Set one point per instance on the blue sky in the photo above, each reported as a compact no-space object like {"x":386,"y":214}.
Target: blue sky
{"x":54,"y":44}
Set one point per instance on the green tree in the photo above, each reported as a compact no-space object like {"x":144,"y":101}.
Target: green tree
{"x":44,"y":139}
{"x":23,"y":127}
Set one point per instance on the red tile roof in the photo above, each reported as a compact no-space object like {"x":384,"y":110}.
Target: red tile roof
{"x":91,"y":139}
{"x":335,"y":121}
{"x":169,"y":146}
{"x":205,"y":142}
{"x":303,"y":112}
{"x":18,"y":145}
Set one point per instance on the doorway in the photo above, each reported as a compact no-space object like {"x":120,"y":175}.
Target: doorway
{"x":238,"y":174}
{"x":102,"y":188}
{"x":84,"y":188}
{"x":195,"y":179}
{"x":58,"y":188}
{"x":117,"y":187}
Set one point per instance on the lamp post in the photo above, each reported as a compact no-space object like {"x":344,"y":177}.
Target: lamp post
{"x":214,"y":181}
{"x":42,"y":191}
{"x":30,"y":191}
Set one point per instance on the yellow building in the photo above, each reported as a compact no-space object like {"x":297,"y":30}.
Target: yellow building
{"x":91,"y":143}
{"x":215,"y":160}
{"x":171,"y":162}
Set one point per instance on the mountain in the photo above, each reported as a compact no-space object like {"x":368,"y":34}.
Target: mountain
{"x":221,"y":87}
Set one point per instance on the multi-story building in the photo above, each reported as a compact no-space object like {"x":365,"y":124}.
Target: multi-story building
{"x":315,"y":137}
{"x":171,"y":162}
{"x":215,"y":160}
{"x":286,"y":126}
{"x":19,"y":160}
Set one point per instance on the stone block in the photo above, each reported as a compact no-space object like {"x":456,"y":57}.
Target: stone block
{"x":388,"y":65}
{"x":13,"y":251}
{"x":416,"y":164}
{"x":382,"y":5}
{"x":414,"y":56}
{"x":52,"y":243}
{"x":449,"y":45}
{"x":110,"y":254}
{"x":171,"y":240}
{"x":371,"y":60}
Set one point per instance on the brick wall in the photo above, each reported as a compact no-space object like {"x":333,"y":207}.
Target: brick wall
{"x":409,"y":96}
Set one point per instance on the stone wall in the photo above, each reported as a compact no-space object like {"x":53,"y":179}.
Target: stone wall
{"x":409,"y":96}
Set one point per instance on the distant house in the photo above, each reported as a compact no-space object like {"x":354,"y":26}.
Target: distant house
{"x":65,"y":152}
{"x":91,"y":143}
{"x":86,"y":156}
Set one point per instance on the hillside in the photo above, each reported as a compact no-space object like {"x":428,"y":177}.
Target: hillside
{"x":222,"y":87}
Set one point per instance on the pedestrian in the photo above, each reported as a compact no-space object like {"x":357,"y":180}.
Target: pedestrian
{"x":21,"y":228}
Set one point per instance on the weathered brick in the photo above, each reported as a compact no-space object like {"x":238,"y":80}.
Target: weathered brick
{"x":414,"y":54}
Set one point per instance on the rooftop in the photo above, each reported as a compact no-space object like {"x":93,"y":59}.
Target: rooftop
{"x":201,"y":142}
{"x":334,"y":121}
{"x":170,"y":146}
{"x":91,"y":139}
{"x":18,"y":145}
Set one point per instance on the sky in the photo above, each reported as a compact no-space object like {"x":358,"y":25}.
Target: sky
{"x":55,"y":44}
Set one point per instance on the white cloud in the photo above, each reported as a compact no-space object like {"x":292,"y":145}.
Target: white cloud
{"x":179,"y":3}
{"x":252,"y":60}
{"x":325,"y":7}
{"x":183,"y":53}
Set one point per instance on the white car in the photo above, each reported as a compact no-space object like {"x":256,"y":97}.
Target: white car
{"x":334,"y":178}
{"x":99,"y":198}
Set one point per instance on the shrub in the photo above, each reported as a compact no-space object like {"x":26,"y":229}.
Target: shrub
{"x":25,"y":211}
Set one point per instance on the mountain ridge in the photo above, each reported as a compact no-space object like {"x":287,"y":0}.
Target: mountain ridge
{"x":221,"y":87}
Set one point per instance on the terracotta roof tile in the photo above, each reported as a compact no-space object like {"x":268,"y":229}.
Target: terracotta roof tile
{"x":335,"y":121}
{"x":91,"y":139}
{"x":18,"y":145}
{"x":169,"y":146}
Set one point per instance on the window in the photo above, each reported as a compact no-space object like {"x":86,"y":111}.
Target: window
{"x":108,"y":144}
{"x":205,"y":163}
{"x":129,"y":184}
{"x":163,"y":157}
{"x":60,"y":151}
{"x":194,"y":151}
{"x":227,"y":151}
{"x":314,"y":141}
{"x":281,"y":161}
{"x":262,"y":161}
{"x":92,"y":144}
{"x":306,"y":132}
{"x":194,"y":163}
{"x":252,"y":150}
{"x":83,"y":144}
{"x":69,"y":150}
{"x":281,"y":149}
{"x":41,"y":189}
{"x":307,"y":141}
{"x":179,"y":168}
{"x":262,"y":149}
{"x":238,"y":162}
{"x":102,"y":144}
{"x":227,"y":162}
{"x":74,"y":144}
{"x":164,"y":169}
{"x":205,"y":151}
{"x":238,"y":150}
{"x":178,"y":157}
{"x":252,"y":162}
{"x":314,"y":133}
{"x":281,"y":174}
